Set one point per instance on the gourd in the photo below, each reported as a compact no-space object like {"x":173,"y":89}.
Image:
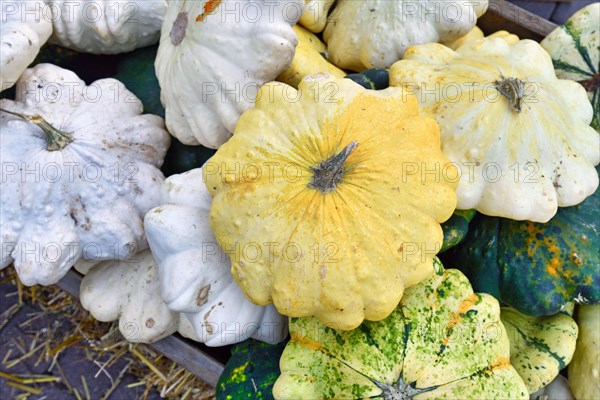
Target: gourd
{"x":374,"y":79}
{"x":456,"y":228}
{"x":476,"y":34}
{"x":376,"y":33}
{"x":129,"y":291}
{"x":584,"y":369}
{"x":312,"y":198}
{"x":251,"y":371}
{"x":309,"y":59}
{"x":558,"y":389}
{"x":575,"y":51}
{"x":540,"y":347}
{"x":443,"y":341}
{"x":212,"y":58}
{"x":136,"y":71}
{"x":105,"y":27}
{"x":315,"y":12}
{"x":23,"y":34}
{"x":194,"y":273}
{"x":520,"y":137}
{"x":535,"y":268}
{"x":81,"y":168}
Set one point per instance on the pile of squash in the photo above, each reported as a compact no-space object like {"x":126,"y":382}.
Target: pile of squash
{"x":368,"y":199}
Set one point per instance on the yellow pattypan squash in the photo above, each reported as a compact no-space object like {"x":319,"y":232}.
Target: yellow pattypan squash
{"x":519,"y":135}
{"x":584,"y":369}
{"x":476,"y":34}
{"x":317,"y":202}
{"x":309,"y":59}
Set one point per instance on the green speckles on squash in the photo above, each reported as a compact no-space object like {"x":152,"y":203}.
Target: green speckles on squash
{"x":431,"y":346}
{"x":456,"y":228}
{"x":250,"y":372}
{"x":575,"y":51}
{"x":539,"y":347}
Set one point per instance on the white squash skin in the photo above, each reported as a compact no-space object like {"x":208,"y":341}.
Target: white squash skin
{"x":558,"y":389}
{"x":118,"y":26}
{"x":375,"y":33}
{"x":107,"y":178}
{"x":129,"y":291}
{"x":211,"y":77}
{"x":556,"y":117}
{"x":195,"y":274}
{"x":23,"y":34}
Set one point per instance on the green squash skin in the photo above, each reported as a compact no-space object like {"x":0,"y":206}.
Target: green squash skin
{"x":456,"y":228}
{"x":374,"y":78}
{"x":535,"y":268}
{"x":574,"y":28}
{"x":594,"y":70}
{"x":251,"y":371}
{"x":137,"y":73}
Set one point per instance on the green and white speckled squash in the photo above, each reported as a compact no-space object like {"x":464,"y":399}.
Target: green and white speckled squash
{"x":443,"y":341}
{"x":575,"y":51}
{"x":539,"y":346}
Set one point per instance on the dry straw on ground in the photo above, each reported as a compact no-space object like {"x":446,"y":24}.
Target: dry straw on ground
{"x":100,"y":341}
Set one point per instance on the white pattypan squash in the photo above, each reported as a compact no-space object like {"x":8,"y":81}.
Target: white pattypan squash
{"x":195,"y":274}
{"x":519,"y":136}
{"x":213,"y":57}
{"x":314,"y":16}
{"x":376,"y":33}
{"x":130,"y":292}
{"x":106,"y":26}
{"x":22,"y":33}
{"x":80,"y":168}
{"x":558,"y":389}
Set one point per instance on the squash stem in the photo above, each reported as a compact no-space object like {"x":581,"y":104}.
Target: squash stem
{"x":57,"y":139}
{"x":330,"y":172}
{"x":513,"y":89}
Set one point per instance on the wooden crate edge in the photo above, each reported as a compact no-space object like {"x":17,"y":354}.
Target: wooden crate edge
{"x":503,"y":15}
{"x":174,"y":347}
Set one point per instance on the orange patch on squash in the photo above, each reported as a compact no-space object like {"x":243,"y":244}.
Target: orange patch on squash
{"x":209,"y":7}
{"x":463,"y":307}
{"x":499,"y":363}
{"x":306,"y":342}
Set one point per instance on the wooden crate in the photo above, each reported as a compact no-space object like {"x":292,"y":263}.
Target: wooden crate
{"x":207,"y":363}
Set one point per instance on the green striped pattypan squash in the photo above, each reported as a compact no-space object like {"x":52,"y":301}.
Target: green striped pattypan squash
{"x":575,"y":51}
{"x":539,"y":346}
{"x":443,"y":341}
{"x":519,"y":136}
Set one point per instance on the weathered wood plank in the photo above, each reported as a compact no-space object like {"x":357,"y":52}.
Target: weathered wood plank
{"x":503,"y":15}
{"x":185,"y":353}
